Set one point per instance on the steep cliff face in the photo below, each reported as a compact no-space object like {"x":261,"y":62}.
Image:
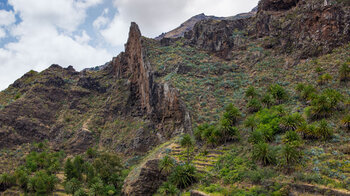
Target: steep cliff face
{"x":159,"y":101}
{"x":307,"y":29}
{"x":301,"y":28}
{"x":216,"y":35}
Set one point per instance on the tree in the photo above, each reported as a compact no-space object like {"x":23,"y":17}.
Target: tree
{"x":42,"y":183}
{"x":105,"y":165}
{"x":72,"y":186}
{"x":166,"y":164}
{"x":251,"y":92}
{"x":251,"y":122}
{"x":232,"y":114}
{"x":346,"y":121}
{"x":187,"y":142}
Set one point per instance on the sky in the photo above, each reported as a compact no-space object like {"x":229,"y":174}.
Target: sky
{"x":86,"y":33}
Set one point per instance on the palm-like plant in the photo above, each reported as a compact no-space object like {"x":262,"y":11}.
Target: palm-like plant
{"x":168,"y":189}
{"x":278,"y":92}
{"x":166,"y":164}
{"x":291,"y":137}
{"x":264,"y":153}
{"x":344,"y":72}
{"x":291,"y":122}
{"x":7,"y":180}
{"x":324,"y":130}
{"x":267,"y":100}
{"x":346,"y":121}
{"x":254,"y":105}
{"x":232,"y":114}
{"x":251,"y":122}
{"x":187,"y":142}
{"x":251,"y":92}
{"x":183,"y":175}
{"x":290,"y":154}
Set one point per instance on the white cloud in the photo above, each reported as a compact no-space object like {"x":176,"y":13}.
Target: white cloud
{"x":102,"y":20}
{"x":2,"y":33}
{"x":47,"y":35}
{"x":7,"y":18}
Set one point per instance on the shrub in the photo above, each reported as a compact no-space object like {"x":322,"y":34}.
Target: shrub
{"x":183,"y":175}
{"x":267,"y":132}
{"x":346,"y":121}
{"x":42,"y":183}
{"x":168,"y":189}
{"x":7,"y":180}
{"x":251,"y":122}
{"x":166,"y":164}
{"x":109,"y":168}
{"x":344,"y":72}
{"x":264,"y":153}
{"x":267,"y":100}
{"x":251,"y":92}
{"x":228,"y":132}
{"x":290,"y":137}
{"x":254,"y":105}
{"x":323,"y":130}
{"x":290,"y":154}
{"x":306,"y":92}
{"x":72,"y":186}
{"x":256,"y":137}
{"x":307,"y":130}
{"x":232,"y":114}
{"x":291,"y":122}
{"x":278,"y":92}
{"x":323,"y":79}
{"x":259,"y":175}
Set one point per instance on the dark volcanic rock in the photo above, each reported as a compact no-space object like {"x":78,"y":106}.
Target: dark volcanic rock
{"x":160,"y":102}
{"x":216,"y":35}
{"x":145,"y":180}
{"x":276,"y":5}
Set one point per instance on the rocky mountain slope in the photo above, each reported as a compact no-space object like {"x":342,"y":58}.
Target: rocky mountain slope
{"x":139,"y":104}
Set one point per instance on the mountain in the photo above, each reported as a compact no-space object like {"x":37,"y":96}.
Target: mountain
{"x":258,"y":105}
{"x":189,"y":24}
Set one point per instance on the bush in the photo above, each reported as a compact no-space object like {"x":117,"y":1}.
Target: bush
{"x":290,"y":154}
{"x":344,"y":72}
{"x":291,"y":122}
{"x":183,"y":175}
{"x":251,"y":92}
{"x":267,"y":100}
{"x":232,"y":114}
{"x":42,"y":183}
{"x":279,"y":93}
{"x":259,"y":175}
{"x":323,"y":130}
{"x":306,"y":92}
{"x":6,"y":181}
{"x":346,"y":121}
{"x":254,"y":105}
{"x":264,"y":153}
{"x":256,"y":137}
{"x":72,"y":186}
{"x":290,"y":137}
{"x":168,"y":189}
{"x":251,"y":122}
{"x":323,"y":79}
{"x":308,"y":131}
{"x":166,"y":164}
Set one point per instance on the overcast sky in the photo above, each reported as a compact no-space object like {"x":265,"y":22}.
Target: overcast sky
{"x":85,"y":33}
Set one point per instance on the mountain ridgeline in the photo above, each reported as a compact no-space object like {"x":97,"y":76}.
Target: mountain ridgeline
{"x":255,"y":104}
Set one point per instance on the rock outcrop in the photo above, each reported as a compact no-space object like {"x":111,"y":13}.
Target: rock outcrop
{"x":145,"y":181}
{"x":309,"y":29}
{"x":301,"y":28}
{"x":216,"y":35}
{"x":160,"y":102}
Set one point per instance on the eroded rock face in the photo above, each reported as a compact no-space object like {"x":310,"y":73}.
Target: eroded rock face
{"x":308,"y":30}
{"x":160,"y":102}
{"x":145,"y":180}
{"x":277,"y":5}
{"x":216,"y":35}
